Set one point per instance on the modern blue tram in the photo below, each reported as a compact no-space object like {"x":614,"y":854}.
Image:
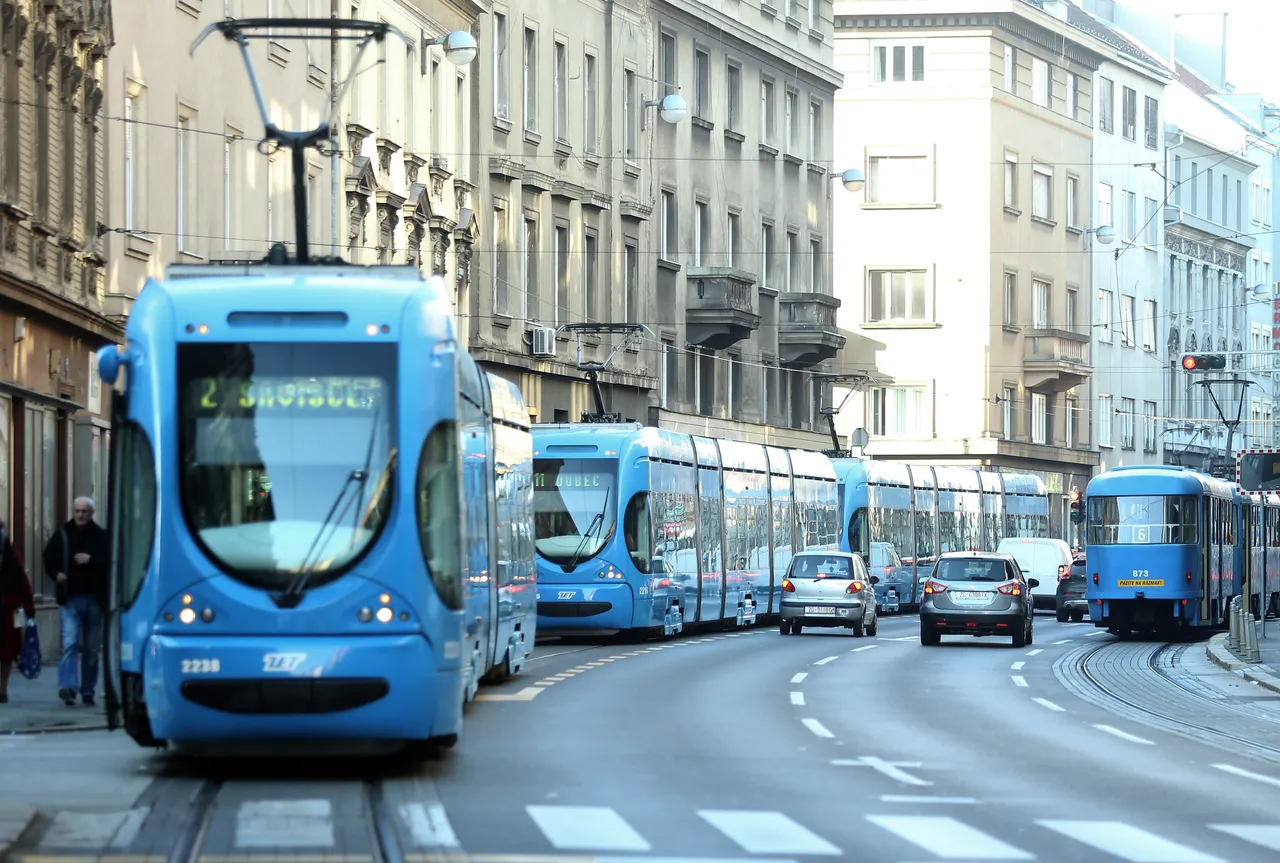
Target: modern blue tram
{"x":707,"y":528}
{"x":1165,"y":549}
{"x":1261,"y":512}
{"x":900,"y":517}
{"x":309,"y":482}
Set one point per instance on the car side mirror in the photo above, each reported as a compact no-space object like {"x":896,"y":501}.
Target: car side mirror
{"x":1033,"y":582}
{"x":875,"y":579}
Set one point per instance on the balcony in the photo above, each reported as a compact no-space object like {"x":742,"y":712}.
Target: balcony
{"x":1054,"y":360}
{"x":719,"y":311}
{"x":807,"y":332}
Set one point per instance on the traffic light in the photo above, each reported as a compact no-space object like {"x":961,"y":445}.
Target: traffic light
{"x":1077,"y":507}
{"x":1204,"y":362}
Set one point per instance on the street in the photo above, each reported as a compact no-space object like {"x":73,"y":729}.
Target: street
{"x":732,"y":746}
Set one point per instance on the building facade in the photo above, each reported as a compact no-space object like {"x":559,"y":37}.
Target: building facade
{"x":53,"y":253}
{"x":712,"y":232}
{"x":1130,"y":326}
{"x":966,"y":263}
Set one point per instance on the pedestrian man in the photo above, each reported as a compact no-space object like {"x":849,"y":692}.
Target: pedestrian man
{"x":79,"y":555}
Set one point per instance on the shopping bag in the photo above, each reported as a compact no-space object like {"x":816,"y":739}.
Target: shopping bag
{"x":29,"y":658}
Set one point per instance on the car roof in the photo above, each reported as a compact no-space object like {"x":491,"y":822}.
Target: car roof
{"x":813,"y":552}
{"x":975,"y":555}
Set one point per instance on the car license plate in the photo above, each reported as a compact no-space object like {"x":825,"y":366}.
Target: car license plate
{"x":820,"y":609}
{"x":972,"y":596}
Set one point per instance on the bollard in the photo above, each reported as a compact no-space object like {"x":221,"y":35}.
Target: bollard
{"x":1252,"y":652}
{"x":1233,"y":625}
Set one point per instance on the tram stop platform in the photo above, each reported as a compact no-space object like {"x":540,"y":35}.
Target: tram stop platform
{"x":1265,"y":672}
{"x":34,"y":708}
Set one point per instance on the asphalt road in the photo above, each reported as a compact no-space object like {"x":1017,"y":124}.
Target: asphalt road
{"x":727,"y":747}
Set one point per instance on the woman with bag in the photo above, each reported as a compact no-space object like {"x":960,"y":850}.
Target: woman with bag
{"x":15,"y":593}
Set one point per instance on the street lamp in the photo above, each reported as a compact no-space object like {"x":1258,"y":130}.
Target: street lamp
{"x":671,"y":107}
{"x":459,"y":47}
{"x":852,"y":179}
{"x":1104,"y":233}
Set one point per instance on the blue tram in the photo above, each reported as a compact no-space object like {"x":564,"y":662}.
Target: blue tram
{"x":1165,"y":549}
{"x":900,"y":517}
{"x":308,"y":481}
{"x":1261,"y":512}
{"x":707,"y":529}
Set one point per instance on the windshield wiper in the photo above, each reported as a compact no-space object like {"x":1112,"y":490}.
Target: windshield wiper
{"x":297,"y":588}
{"x":596,"y":523}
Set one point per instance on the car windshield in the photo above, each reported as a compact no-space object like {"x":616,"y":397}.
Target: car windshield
{"x":1034,"y":556}
{"x":815,"y":566}
{"x":272,"y":441}
{"x":575,"y":505}
{"x":970,"y":569}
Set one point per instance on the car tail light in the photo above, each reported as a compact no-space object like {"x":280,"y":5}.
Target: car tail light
{"x":854,"y":587}
{"x":788,"y":586}
{"x":932,"y":586}
{"x":1063,"y":576}
{"x":1014,"y":589}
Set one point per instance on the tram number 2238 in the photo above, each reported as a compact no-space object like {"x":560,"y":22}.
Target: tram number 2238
{"x":201,"y":666}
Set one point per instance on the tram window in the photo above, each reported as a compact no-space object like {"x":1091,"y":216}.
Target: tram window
{"x":635,"y":529}
{"x":858,"y":534}
{"x":438,"y":509}
{"x":135,"y":511}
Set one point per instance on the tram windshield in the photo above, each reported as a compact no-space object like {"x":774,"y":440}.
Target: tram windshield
{"x":286,"y":455}
{"x":575,"y":504}
{"x":1142,"y":520}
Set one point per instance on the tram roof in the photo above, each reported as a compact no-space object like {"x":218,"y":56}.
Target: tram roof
{"x":1157,"y":479}
{"x":942,"y":477}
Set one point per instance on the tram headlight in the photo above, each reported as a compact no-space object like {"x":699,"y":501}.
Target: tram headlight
{"x":187,"y":615}
{"x":365,"y":615}
{"x":385,"y":615}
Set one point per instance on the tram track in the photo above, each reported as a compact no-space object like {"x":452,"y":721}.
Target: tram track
{"x":1079,"y":665}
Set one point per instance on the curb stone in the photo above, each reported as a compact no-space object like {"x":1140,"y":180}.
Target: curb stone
{"x":14,"y":821}
{"x":1253,"y":672}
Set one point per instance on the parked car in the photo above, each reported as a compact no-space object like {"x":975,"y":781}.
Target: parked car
{"x":1040,"y":558}
{"x":829,"y":588}
{"x":977,"y":593}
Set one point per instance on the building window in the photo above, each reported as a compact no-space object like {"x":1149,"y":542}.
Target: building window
{"x":701,"y":84}
{"x":667,"y":71}
{"x":562,"y":275}
{"x":792,"y":119}
{"x":670,"y":379}
{"x":813,"y":14}
{"x":1152,"y":123}
{"x":815,"y":267}
{"x":1127,"y":304}
{"x":1151,"y":230}
{"x":132,"y":176}
{"x":896,"y":295}
{"x":232,"y":189}
{"x":1073,"y":414}
{"x":766,"y":254}
{"x":1130,"y":216}
{"x":1149,"y":436}
{"x":1129,"y":113}
{"x":792,"y":263}
{"x":460,"y":113}
{"x":1006,"y":404}
{"x":186,"y":185}
{"x":501,"y":75}
{"x":734,"y":239}
{"x":1010,"y":299}
{"x":767,"y":119}
{"x":667,"y":233}
{"x":1039,"y":305}
{"x":561,"y":94}
{"x":900,"y":180}
{"x":591,"y":277}
{"x":1194,"y":187}
{"x":501,"y":245}
{"x":1073,"y":96}
{"x":899,"y":412}
{"x":1104,"y":420}
{"x":1104,"y":315}
{"x":529,"y":262}
{"x":733,"y":101}
{"x":1104,"y":205}
{"x":631,"y":109}
{"x":897,"y":63}
{"x":631,"y":282}
{"x":1010,"y":181}
{"x":1126,"y":423}
{"x":1039,"y":418}
{"x":531,"y":79}
{"x":1042,"y":192}
{"x":1072,"y":300}
{"x":1239,"y":205}
{"x":1073,"y":202}
{"x":1148,"y":325}
{"x":1041,"y":82}
{"x":1011,"y":69}
{"x":701,"y":231}
{"x":815,"y":129}
{"x":1106,"y":100}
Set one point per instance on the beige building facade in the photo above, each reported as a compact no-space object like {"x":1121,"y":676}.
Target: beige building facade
{"x":54,"y":123}
{"x":965,"y":262}
{"x":705,"y":230}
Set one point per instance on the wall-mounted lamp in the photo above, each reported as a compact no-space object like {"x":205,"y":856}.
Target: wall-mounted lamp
{"x":459,"y":47}
{"x":671,"y":107}
{"x":852,"y":179}
{"x":1104,"y":233}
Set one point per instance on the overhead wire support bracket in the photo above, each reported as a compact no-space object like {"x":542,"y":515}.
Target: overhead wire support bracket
{"x":856,"y":382}
{"x":241,"y":32}
{"x":631,"y":333}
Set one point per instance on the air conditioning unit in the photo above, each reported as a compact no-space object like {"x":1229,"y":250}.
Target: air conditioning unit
{"x":544,"y":342}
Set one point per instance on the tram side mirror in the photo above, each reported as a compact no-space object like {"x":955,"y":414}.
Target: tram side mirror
{"x":1033,"y":582}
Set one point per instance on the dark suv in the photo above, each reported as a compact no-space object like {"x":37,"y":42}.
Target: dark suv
{"x":1071,"y":600}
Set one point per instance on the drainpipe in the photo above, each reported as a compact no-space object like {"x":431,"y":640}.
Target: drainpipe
{"x":335,"y":167}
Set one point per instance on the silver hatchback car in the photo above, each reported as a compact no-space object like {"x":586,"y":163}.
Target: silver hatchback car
{"x":977,"y":593}
{"x":829,"y":588}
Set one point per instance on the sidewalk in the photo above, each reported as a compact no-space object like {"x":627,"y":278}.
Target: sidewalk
{"x":13,"y":821}
{"x":1264,"y":673}
{"x":34,"y":707}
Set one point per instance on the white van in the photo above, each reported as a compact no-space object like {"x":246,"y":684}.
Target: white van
{"x":1039,"y":559}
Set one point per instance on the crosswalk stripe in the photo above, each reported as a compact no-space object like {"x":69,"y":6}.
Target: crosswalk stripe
{"x":766,"y":832}
{"x":285,"y":824}
{"x":948,"y":838}
{"x":429,"y":825}
{"x":1266,"y":835}
{"x":586,"y":828}
{"x":1128,"y":842}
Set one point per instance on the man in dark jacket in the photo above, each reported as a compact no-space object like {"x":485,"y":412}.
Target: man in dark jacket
{"x":79,"y":555}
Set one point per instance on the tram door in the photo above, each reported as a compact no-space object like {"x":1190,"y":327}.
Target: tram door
{"x":1207,"y":525}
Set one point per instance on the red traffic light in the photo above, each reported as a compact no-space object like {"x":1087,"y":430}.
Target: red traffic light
{"x":1075,"y":495}
{"x":1204,"y":362}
